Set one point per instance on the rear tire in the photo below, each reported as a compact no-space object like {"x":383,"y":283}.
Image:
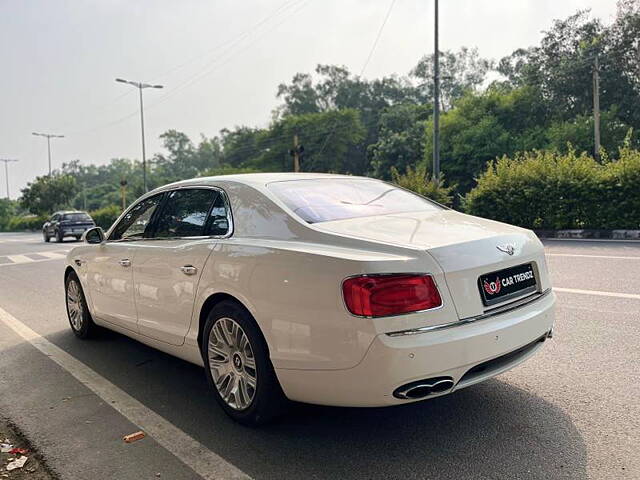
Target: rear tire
{"x":59,"y":236}
{"x":236,"y":356}
{"x":77,"y":311}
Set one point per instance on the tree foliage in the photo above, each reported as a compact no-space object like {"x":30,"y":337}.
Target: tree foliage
{"x":48,"y":193}
{"x":460,"y":72}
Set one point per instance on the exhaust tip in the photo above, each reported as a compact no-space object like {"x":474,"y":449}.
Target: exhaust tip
{"x":423,"y":388}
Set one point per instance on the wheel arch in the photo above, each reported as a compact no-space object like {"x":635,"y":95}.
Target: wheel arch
{"x":68,"y":271}
{"x":211,"y":302}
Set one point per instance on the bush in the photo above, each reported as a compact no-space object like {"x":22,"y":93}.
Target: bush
{"x":418,"y":181}
{"x":105,"y":217}
{"x":21,"y":224}
{"x":548,"y":190}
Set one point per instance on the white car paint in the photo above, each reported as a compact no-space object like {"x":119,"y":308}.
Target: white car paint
{"x":288,"y":274}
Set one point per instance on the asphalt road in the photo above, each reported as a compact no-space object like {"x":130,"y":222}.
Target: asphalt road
{"x":572,"y":411}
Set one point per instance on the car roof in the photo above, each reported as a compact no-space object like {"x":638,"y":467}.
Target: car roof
{"x":64,"y":212}
{"x":255,"y":179}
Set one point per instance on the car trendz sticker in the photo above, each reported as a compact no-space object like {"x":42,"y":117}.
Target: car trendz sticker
{"x":506,"y":283}
{"x":494,"y":287}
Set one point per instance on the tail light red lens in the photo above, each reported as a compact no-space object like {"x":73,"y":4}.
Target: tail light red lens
{"x":383,"y":295}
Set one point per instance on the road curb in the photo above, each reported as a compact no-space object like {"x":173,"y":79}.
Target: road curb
{"x":590,"y":234}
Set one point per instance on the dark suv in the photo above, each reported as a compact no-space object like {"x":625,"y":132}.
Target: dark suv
{"x":67,"y":224}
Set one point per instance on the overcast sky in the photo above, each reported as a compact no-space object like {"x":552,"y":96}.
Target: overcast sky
{"x":220,"y":62}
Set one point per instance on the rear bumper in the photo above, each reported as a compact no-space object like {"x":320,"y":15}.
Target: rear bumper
{"x":69,"y":231}
{"x":467,"y":353}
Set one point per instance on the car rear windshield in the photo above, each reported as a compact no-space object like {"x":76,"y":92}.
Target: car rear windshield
{"x":77,"y":217}
{"x":327,"y":199}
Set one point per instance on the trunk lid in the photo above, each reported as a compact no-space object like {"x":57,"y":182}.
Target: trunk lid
{"x":466,"y":247}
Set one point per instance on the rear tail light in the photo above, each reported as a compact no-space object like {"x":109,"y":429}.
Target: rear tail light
{"x":384,"y":295}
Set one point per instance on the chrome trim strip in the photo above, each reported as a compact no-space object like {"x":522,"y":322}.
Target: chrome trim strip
{"x":488,"y":314}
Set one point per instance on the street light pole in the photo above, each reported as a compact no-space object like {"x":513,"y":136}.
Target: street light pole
{"x":436,"y":102}
{"x":140,"y":86}
{"x":6,"y":170}
{"x":48,"y":136}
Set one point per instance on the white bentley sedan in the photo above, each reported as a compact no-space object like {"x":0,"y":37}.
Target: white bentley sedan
{"x":317,"y":288}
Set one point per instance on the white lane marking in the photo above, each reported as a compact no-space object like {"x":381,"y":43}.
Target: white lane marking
{"x":598,"y":293}
{"x":20,"y":259}
{"x":23,"y":239}
{"x":53,"y":254}
{"x":582,"y":255}
{"x":601,"y":240}
{"x":192,"y":453}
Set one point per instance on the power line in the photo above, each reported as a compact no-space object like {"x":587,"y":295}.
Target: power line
{"x":366,"y":63}
{"x":211,"y":66}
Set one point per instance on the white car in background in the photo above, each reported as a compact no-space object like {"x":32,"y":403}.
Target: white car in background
{"x":325,"y":289}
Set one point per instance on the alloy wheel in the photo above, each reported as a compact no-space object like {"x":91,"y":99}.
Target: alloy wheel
{"x":232,"y":363}
{"x":75,"y":305}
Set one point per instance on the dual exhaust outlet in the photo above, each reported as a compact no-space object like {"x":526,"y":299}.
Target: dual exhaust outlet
{"x":423,"y":388}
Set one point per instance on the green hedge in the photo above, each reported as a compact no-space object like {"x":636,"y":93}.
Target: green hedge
{"x":103,"y":217}
{"x":547,"y":190}
{"x":19,"y":224}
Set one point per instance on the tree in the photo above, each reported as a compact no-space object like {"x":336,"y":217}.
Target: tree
{"x":8,"y":209}
{"x":326,"y":137}
{"x":460,"y":72}
{"x":184,"y":160}
{"x":484,"y":126}
{"x":239,"y":146}
{"x":561,"y":67}
{"x":48,"y":193}
{"x":400,"y":142}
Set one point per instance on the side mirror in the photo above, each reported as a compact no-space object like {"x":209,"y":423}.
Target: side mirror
{"x":94,"y":235}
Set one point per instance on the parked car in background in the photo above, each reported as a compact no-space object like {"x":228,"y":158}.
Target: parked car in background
{"x":67,"y":224}
{"x":326,"y":289}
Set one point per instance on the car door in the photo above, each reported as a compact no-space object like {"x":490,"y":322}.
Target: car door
{"x":51,"y":224}
{"x":166,"y":272}
{"x":110,"y":273}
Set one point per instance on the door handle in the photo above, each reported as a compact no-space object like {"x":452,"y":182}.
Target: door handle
{"x":125,"y":262}
{"x":189,"y":270}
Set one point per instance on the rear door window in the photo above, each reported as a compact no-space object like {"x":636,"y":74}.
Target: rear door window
{"x":185,"y":213}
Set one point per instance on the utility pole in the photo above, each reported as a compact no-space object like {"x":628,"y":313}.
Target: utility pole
{"x":48,"y":136}
{"x":123,"y":193}
{"x":297,"y":153}
{"x":596,"y":108}
{"x":6,"y":170}
{"x":140,"y":86}
{"x":436,"y":102}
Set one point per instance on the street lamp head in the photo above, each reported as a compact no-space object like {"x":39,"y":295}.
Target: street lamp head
{"x":121,"y":80}
{"x":158,"y":86}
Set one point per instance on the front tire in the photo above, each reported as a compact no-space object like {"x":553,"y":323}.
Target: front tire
{"x":238,"y":367}
{"x":77,"y":311}
{"x":45,"y":236}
